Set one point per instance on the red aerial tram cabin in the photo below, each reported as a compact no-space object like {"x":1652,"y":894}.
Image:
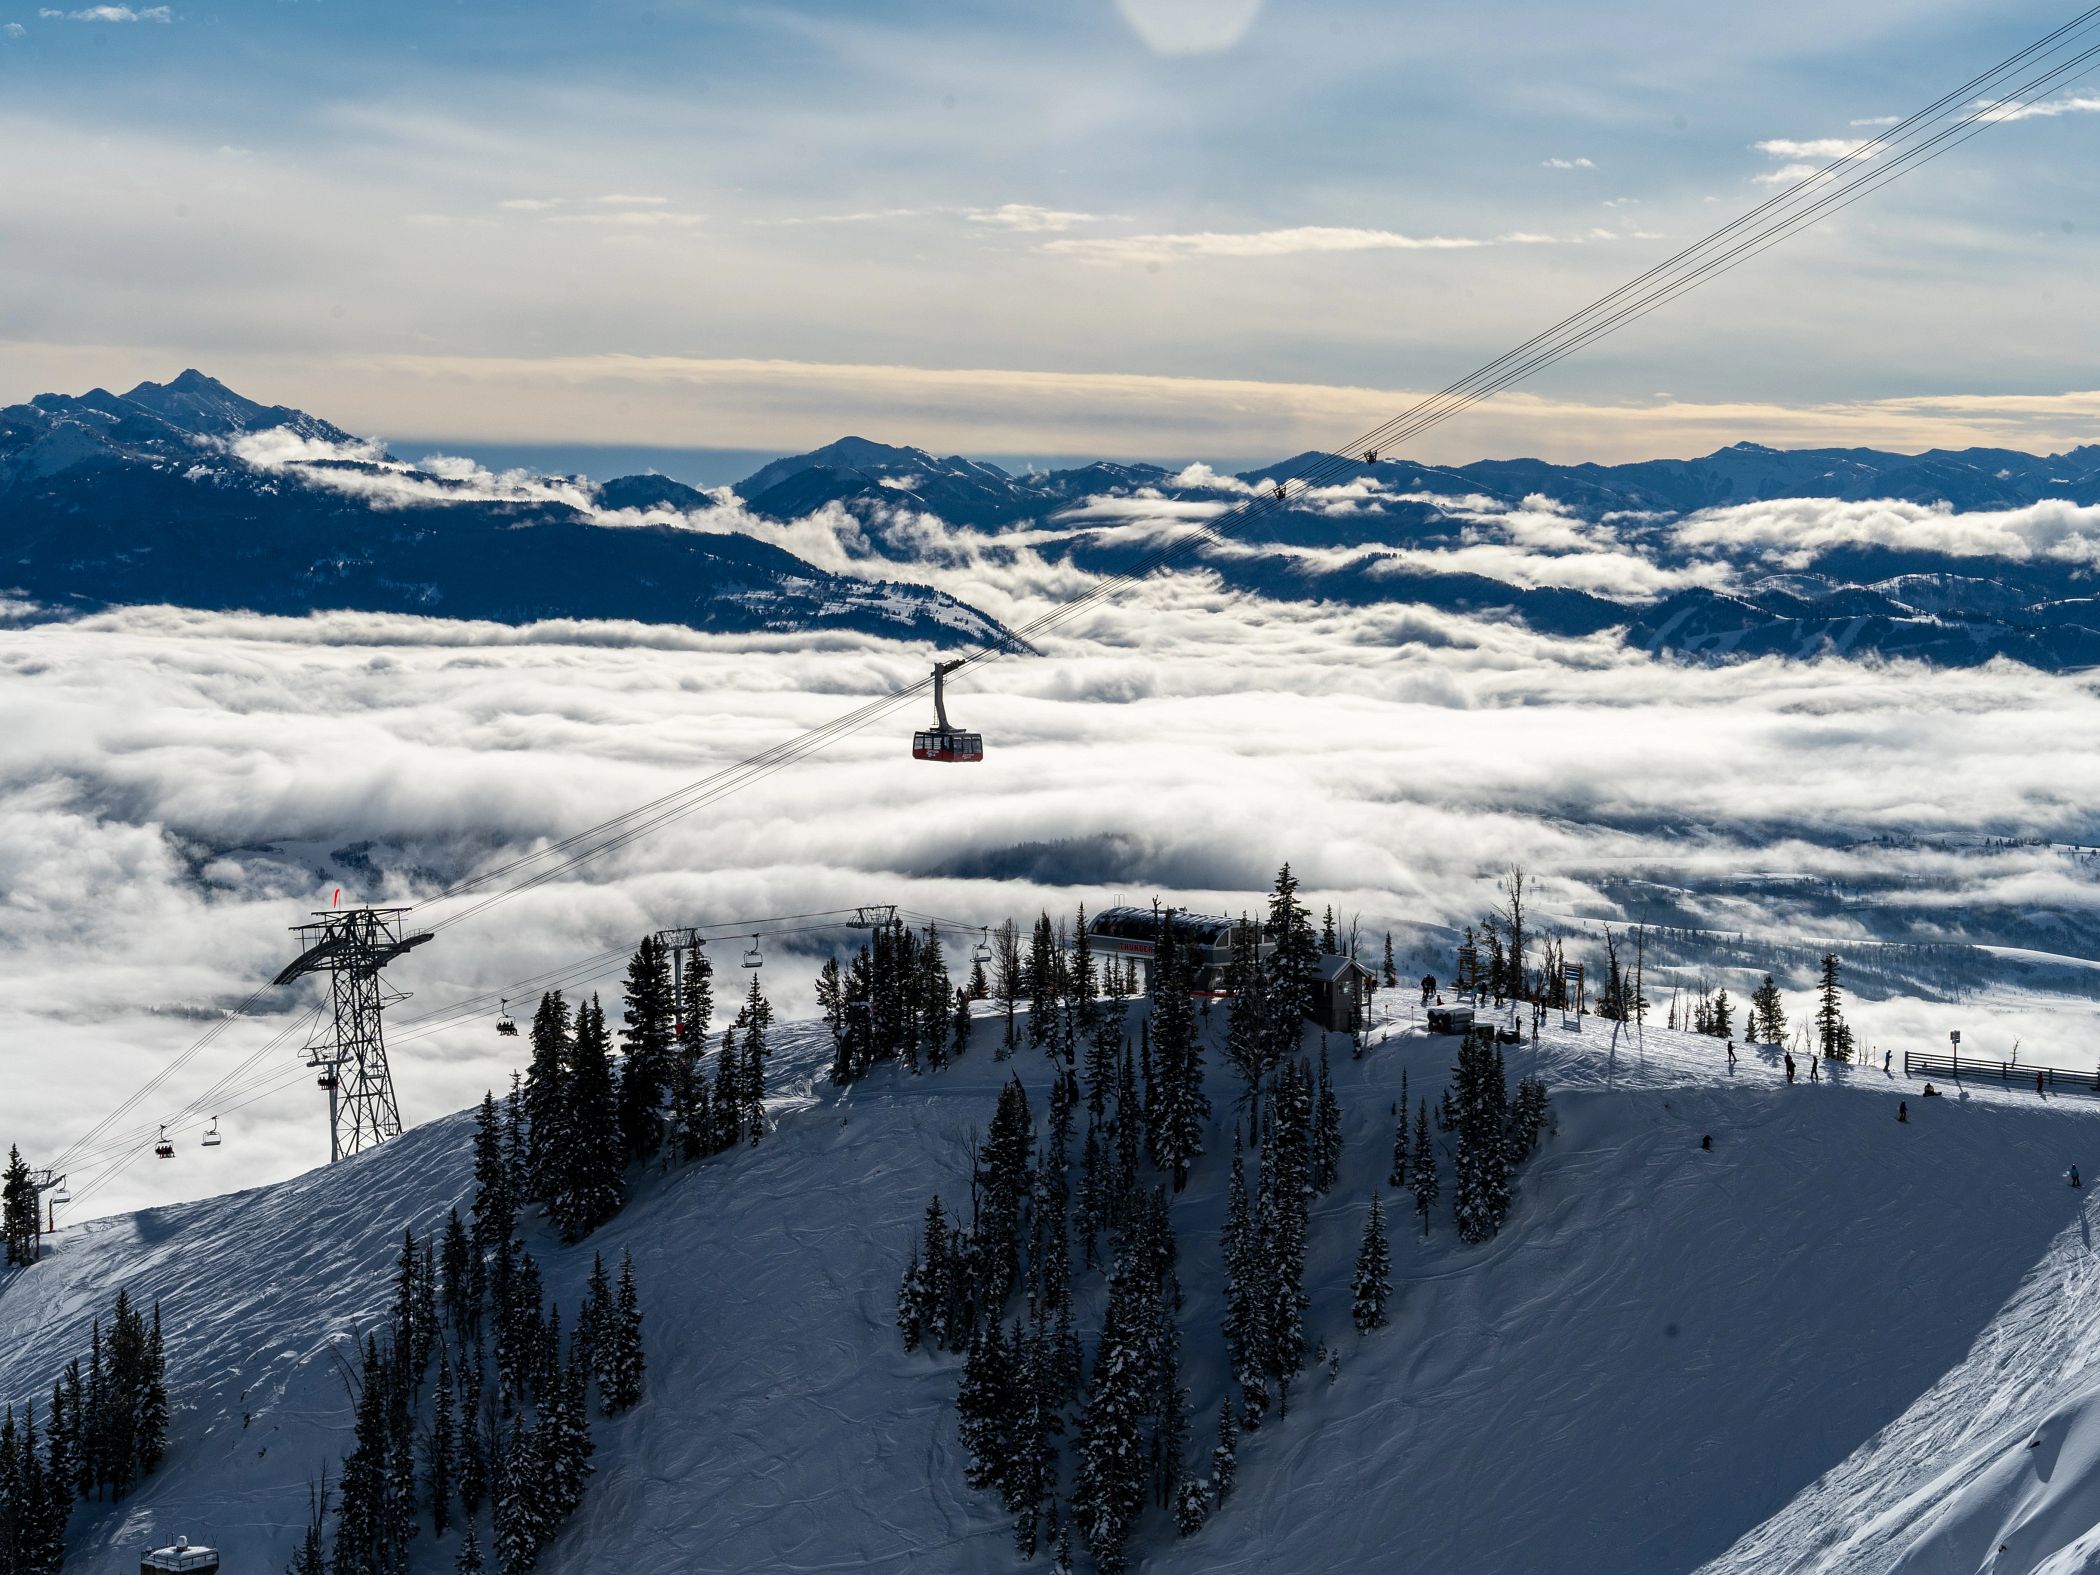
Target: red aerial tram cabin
{"x":943,"y":741}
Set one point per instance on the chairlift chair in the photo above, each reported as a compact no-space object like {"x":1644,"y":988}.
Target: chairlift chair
{"x":211,"y":1134}
{"x":752,"y":958}
{"x":64,"y":1194}
{"x":164,"y":1149}
{"x":983,"y":953}
{"x":504,"y":1025}
{"x":943,"y":741}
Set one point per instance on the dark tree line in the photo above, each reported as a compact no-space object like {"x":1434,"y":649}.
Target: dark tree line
{"x":893,"y":1001}
{"x":105,"y":1429}
{"x":473,"y":1400}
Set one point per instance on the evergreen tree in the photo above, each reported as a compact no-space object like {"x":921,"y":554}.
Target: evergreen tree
{"x":1833,"y":1034}
{"x":468,"y":1560}
{"x":728,"y":1097}
{"x":1009,"y":977}
{"x":1224,"y":1455}
{"x":1330,"y":943}
{"x":1767,"y":1024}
{"x":520,"y":1528}
{"x":1191,"y":1507}
{"x":1424,"y":1177}
{"x":1292,"y":967}
{"x":309,"y":1559}
{"x":1109,"y":1489}
{"x":495,"y":1203}
{"x":691,"y":1115}
{"x":620,"y":1369}
{"x":1326,"y":1152}
{"x":586,"y":1165}
{"x":1248,"y":1041}
{"x":1397,"y":1176}
{"x":545,"y":1092}
{"x":1527,"y":1118}
{"x":1389,"y":974}
{"x":1480,"y":1193}
{"x":19,"y":1219}
{"x":649,"y":1039}
{"x":1246,"y":1275}
{"x":440,"y":1451}
{"x":1285,"y":1193}
{"x":755,"y":1017}
{"x":1372,"y":1284}
{"x":1182,"y":1108}
{"x":983,"y":1404}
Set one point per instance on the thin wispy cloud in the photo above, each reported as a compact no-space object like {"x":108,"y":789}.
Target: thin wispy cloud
{"x":1254,"y":243}
{"x":1567,"y":164}
{"x":1879,"y":120}
{"x":2076,"y":104}
{"x":1029,"y":219}
{"x":1810,"y":148}
{"x":618,"y":200}
{"x":111,"y":13}
{"x":13,"y":30}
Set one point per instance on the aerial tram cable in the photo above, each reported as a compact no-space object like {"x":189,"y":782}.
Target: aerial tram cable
{"x":1831,"y":189}
{"x":1664,"y":283}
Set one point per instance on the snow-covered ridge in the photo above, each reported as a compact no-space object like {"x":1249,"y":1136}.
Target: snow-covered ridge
{"x":1671,"y":1356}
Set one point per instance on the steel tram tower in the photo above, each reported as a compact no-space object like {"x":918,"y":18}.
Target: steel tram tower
{"x":352,"y":946}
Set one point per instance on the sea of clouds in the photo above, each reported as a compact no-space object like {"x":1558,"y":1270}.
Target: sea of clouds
{"x":177,"y":788}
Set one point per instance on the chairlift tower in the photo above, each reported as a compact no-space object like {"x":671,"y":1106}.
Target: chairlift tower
{"x":352,"y":946}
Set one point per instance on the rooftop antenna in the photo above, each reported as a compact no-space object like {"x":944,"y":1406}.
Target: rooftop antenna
{"x":351,"y":946}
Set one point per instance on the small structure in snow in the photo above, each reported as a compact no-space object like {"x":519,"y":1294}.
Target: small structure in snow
{"x":179,"y":1557}
{"x":1454,"y":1019}
{"x":1341,"y":993}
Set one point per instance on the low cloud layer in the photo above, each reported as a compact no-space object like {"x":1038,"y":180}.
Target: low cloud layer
{"x":205,"y":779}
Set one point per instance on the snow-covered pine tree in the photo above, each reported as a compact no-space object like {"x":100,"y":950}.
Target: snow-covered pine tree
{"x":1373,"y":1282}
{"x":1527,"y":1117}
{"x":983,"y":1405}
{"x":1000,"y":1183}
{"x":1224,"y":1455}
{"x":1326,"y":1146}
{"x":648,"y":1036}
{"x":935,"y":1003}
{"x":727,"y":1098}
{"x":1181,"y":1106}
{"x":1281,"y":1216}
{"x":468,"y":1560}
{"x":495,"y":1204}
{"x":1397,"y":1176}
{"x":1082,"y":986}
{"x":911,"y":1301}
{"x":519,"y":1528}
{"x":1109,"y":1488}
{"x":1246,"y":1276}
{"x":1767,"y":1020}
{"x":1389,"y":975}
{"x":1129,"y":1144}
{"x":1833,"y":1035}
{"x":1481,"y":1151}
{"x":440,"y":1448}
{"x":1042,"y":984}
{"x":1291,"y":968}
{"x":587,"y":1163}
{"x":1191,"y":1506}
{"x":1423,"y":1167}
{"x":621,"y":1365}
{"x":544,"y":1092}
{"x":1247,"y":1037}
{"x":755,"y":1017}
{"x":457,"y":1292}
{"x":19,"y":1221}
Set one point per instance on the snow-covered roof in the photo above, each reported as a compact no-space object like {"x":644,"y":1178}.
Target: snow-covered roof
{"x":1332,"y":965}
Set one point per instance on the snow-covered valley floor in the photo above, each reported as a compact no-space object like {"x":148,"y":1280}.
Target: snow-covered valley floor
{"x":1825,"y":1344}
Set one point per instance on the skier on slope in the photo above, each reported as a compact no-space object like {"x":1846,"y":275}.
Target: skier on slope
{"x":1790,"y":1066}
{"x":1903,"y":1110}
{"x":2038,"y":1084}
{"x":1731,"y":1055}
{"x":1885,"y":1063}
{"x":1814,"y":1076}
{"x":2074,"y":1177}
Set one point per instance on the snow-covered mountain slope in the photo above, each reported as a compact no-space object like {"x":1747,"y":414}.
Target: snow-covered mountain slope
{"x":1830,"y":1326}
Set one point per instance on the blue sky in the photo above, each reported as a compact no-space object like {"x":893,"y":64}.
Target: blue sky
{"x":1174,"y":228}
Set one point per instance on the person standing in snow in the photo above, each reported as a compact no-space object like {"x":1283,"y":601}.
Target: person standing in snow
{"x":2074,"y":1177}
{"x":1903,"y":1110}
{"x":1885,"y":1063}
{"x":1814,"y":1076}
{"x":1790,"y":1066}
{"x":1731,"y":1055}
{"x":2038,"y":1084}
